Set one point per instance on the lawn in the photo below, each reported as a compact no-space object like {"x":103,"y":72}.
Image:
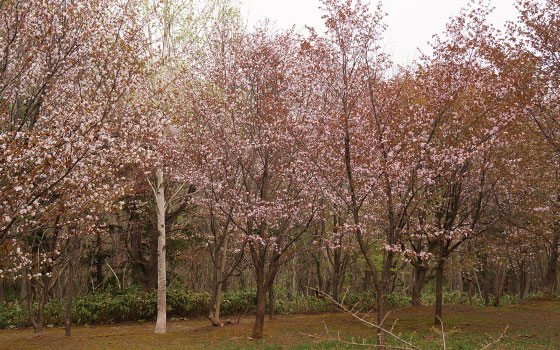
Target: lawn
{"x":534,"y":324}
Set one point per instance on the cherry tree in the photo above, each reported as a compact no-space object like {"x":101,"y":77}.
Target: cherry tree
{"x":245,"y":161}
{"x":537,"y":36}
{"x":176,"y":33}
{"x":67,"y":73}
{"x":203,"y":148}
{"x":406,"y":156}
{"x":473,"y":93}
{"x":355,"y":146}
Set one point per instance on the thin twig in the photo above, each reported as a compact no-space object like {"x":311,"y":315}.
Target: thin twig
{"x":442,"y":333}
{"x":113,"y":271}
{"x":339,"y":339}
{"x":371,"y":324}
{"x":241,"y":316}
{"x":494,"y":341}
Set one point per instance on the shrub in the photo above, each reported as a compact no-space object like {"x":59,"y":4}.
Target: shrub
{"x":459,"y":298}
{"x":133,"y":304}
{"x":395,"y":300}
{"x":13,"y":315}
{"x":239,"y":301}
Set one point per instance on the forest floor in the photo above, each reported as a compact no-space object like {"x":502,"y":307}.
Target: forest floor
{"x":534,"y":324}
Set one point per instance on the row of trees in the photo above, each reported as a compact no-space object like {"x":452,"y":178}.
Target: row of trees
{"x":170,"y":125}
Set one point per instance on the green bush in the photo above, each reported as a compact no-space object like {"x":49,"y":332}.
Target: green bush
{"x":133,"y":304}
{"x":238,"y":302}
{"x":302,"y":305}
{"x":13,"y":315}
{"x":368,"y":301}
{"x":362,"y":301}
{"x":458,"y":298}
{"x":183,"y":303}
{"x":395,"y":300}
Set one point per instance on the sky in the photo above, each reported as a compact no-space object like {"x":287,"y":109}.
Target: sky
{"x":411,"y":23}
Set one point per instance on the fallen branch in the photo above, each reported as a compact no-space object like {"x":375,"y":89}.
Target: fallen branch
{"x":354,"y":314}
{"x":216,"y":323}
{"x":241,"y":316}
{"x":497,"y":340}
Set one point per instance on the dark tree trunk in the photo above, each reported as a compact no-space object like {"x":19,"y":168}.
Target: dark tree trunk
{"x":485,"y":286}
{"x":419,"y":277}
{"x":551,"y":278}
{"x":34,"y":289}
{"x":318,"y":270}
{"x":366,"y":286}
{"x":522,"y":280}
{"x":215,"y":302}
{"x":258,"y":327}
{"x":152,"y":262}
{"x":471,"y":290}
{"x":242,"y":281}
{"x":438,"y":319}
{"x":499,"y":286}
{"x":335,"y":284}
{"x":69,"y":297}
{"x":451,"y":277}
{"x":270,"y":302}
{"x":528,"y":280}
{"x":99,"y":260}
{"x":340,"y":262}
{"x":514,"y":285}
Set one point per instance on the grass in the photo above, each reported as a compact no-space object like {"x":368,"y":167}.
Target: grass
{"x":534,"y":324}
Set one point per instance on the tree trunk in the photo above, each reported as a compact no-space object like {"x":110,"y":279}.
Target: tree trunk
{"x":215,"y":303}
{"x":294,"y":276}
{"x":381,"y":336}
{"x":460,"y":285}
{"x":527,"y":287}
{"x":551,"y":278}
{"x":471,"y":290}
{"x":37,"y":328}
{"x":439,"y":293}
{"x":258,"y":327}
{"x":523,"y":284}
{"x":161,"y":268}
{"x":152,"y":267}
{"x":451,"y":277}
{"x":499,"y":285}
{"x":339,"y":263}
{"x":69,"y":297}
{"x":419,"y":277}
{"x":318,"y":269}
{"x":218,"y":282}
{"x":271,"y":302}
{"x":335,"y":284}
{"x":367,"y":282}
{"x":485,"y":286}
{"x":34,"y":289}
{"x":99,"y":261}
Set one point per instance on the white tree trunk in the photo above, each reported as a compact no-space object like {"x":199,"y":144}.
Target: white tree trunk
{"x":161,"y":321}
{"x":162,"y":278}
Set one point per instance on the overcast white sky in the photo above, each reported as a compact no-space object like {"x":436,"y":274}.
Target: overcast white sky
{"x":411,"y":23}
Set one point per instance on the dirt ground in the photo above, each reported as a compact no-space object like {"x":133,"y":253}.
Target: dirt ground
{"x":534,"y":324}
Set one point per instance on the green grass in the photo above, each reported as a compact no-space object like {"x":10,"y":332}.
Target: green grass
{"x":532,"y":325}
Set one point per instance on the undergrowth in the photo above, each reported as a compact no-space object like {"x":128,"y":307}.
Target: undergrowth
{"x":133,"y":304}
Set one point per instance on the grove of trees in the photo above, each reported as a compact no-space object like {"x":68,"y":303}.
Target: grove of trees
{"x":162,"y":143}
